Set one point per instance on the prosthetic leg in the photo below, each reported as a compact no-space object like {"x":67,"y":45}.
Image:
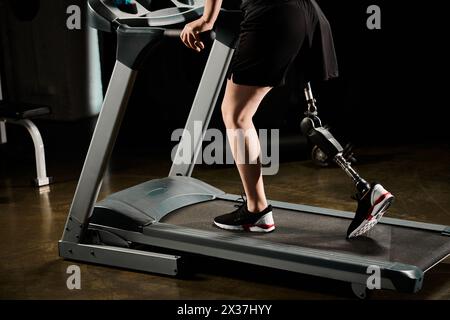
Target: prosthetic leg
{"x":373,"y":199}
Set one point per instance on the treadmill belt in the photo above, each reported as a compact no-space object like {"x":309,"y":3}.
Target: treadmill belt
{"x":417,"y":247}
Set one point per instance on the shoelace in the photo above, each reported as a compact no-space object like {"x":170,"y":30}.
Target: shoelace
{"x":243,"y":200}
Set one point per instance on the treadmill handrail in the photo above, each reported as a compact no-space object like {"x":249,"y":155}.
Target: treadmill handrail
{"x":164,"y":20}
{"x":181,"y":4}
{"x":176,"y":15}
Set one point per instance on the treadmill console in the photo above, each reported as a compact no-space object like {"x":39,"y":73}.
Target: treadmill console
{"x":139,"y":24}
{"x":107,"y":15}
{"x":128,"y":6}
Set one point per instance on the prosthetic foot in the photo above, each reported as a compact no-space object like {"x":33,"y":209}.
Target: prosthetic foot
{"x":373,"y":199}
{"x":371,"y":208}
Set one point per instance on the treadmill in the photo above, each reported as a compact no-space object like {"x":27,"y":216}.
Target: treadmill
{"x":137,"y":227}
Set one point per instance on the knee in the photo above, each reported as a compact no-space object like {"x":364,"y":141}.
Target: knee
{"x":236,"y":117}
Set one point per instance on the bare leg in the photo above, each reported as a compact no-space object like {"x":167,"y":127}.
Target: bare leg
{"x":238,"y":108}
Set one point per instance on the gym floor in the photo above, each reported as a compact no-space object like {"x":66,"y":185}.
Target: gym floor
{"x":32,"y":220}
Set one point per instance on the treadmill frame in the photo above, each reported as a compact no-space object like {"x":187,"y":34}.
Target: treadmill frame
{"x":73,"y":246}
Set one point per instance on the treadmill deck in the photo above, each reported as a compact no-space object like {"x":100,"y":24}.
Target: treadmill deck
{"x":308,"y":230}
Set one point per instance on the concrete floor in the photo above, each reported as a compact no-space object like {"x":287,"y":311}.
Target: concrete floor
{"x":31,"y":223}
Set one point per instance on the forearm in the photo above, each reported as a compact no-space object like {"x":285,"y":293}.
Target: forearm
{"x":211,"y":12}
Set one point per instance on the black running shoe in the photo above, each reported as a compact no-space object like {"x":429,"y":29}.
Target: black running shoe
{"x":242,"y":219}
{"x":371,"y":208}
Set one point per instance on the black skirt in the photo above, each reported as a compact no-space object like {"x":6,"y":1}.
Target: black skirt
{"x":273,"y":34}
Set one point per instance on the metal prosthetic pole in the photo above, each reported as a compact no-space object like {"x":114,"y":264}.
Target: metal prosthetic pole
{"x":361,"y":185}
{"x":321,"y":137}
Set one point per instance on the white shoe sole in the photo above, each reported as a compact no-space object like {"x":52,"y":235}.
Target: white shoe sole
{"x":263,"y":225}
{"x":374,"y":216}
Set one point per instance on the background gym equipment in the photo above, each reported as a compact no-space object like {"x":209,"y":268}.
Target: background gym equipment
{"x":20,"y":114}
{"x":135,"y":227}
{"x":49,"y":58}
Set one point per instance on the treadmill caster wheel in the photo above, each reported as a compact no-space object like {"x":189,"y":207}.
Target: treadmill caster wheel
{"x":319,"y":157}
{"x":360,"y":291}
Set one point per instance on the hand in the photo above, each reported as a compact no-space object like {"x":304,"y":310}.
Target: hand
{"x":191,"y":34}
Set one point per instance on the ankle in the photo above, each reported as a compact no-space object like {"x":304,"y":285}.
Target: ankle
{"x":257,"y":207}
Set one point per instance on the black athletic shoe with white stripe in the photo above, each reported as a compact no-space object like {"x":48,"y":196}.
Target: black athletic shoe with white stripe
{"x":242,"y":219}
{"x":371,"y":207}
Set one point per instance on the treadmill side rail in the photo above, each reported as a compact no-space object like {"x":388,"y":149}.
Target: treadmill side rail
{"x":331,"y":265}
{"x":121,"y":257}
{"x":446,"y":232}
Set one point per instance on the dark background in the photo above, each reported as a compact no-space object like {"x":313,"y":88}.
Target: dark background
{"x":392,"y":88}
